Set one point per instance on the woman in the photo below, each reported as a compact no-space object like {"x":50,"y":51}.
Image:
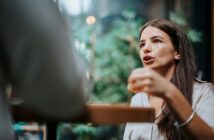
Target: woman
{"x":184,"y":106}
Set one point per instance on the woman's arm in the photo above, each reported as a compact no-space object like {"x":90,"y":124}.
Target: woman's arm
{"x":196,"y":128}
{"x":149,"y":81}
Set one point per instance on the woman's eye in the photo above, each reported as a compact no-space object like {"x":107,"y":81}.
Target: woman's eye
{"x":142,"y":45}
{"x":157,"y":41}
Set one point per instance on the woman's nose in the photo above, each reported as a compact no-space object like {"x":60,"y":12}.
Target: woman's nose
{"x":147,"y":47}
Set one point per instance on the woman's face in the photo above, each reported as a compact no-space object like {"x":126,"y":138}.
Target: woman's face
{"x":156,"y":49}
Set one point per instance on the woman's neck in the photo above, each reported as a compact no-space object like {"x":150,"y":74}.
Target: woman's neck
{"x":166,"y":72}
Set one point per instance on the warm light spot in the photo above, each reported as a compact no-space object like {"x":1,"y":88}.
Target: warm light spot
{"x":90,"y":20}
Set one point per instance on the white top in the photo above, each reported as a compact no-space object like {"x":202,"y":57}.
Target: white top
{"x":203,"y":102}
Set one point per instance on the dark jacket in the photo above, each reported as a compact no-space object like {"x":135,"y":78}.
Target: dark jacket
{"x":37,"y":59}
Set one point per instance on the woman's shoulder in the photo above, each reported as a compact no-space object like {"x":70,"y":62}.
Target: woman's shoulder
{"x":203,"y":86}
{"x":202,"y":91}
{"x":203,"y":97}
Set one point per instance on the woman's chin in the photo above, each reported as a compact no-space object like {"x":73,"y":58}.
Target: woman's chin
{"x":149,"y":66}
{"x":152,"y":67}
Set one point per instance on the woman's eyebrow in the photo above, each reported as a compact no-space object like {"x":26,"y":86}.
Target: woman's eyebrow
{"x":156,"y":36}
{"x":142,"y":40}
{"x":153,"y":37}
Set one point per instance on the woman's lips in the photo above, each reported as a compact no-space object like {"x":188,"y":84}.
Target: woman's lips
{"x":148,"y":60}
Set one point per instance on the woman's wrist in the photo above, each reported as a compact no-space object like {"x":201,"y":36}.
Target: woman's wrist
{"x":169,"y":95}
{"x":187,"y":121}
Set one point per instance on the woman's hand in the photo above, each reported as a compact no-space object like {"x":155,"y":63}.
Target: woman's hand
{"x":149,"y":81}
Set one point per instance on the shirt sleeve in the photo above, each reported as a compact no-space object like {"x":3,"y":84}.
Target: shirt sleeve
{"x":140,"y":99}
{"x":205,"y":106}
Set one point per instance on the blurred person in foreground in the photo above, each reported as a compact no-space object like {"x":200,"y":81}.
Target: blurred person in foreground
{"x":37,"y":60}
{"x":184,"y":107}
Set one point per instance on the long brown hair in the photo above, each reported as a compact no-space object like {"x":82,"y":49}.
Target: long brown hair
{"x":184,"y":74}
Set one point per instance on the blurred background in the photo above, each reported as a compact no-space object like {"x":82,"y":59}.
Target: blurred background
{"x":105,"y":33}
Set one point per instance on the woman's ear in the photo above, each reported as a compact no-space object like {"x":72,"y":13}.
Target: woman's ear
{"x":177,"y":56}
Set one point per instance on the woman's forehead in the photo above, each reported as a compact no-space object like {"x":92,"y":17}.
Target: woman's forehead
{"x":151,"y":31}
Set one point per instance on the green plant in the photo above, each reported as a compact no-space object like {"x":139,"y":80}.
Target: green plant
{"x":193,"y":35}
{"x":116,"y":55}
